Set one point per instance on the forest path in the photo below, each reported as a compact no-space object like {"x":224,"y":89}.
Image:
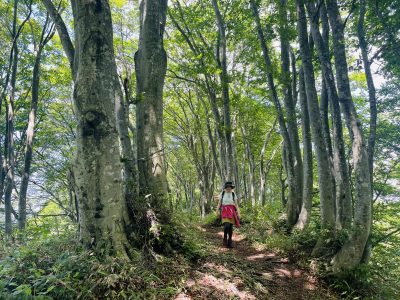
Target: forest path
{"x":247,"y":272}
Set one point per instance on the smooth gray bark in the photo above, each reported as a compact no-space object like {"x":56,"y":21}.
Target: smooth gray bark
{"x":222,"y":62}
{"x":290,"y":111}
{"x":371,"y":86}
{"x":251,"y":165}
{"x":9,"y":157}
{"x":151,"y":64}
{"x":291,"y":207}
{"x":97,"y":168}
{"x":342,"y":180}
{"x":351,"y":253}
{"x":121,"y":104}
{"x":236,"y":175}
{"x":305,"y":213}
{"x":324,"y":175}
{"x":127,"y":155}
{"x":263,"y":173}
{"x":372,"y":108}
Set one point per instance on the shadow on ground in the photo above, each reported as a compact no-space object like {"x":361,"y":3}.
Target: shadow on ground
{"x":248,"y":272}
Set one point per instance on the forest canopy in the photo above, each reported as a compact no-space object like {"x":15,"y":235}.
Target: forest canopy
{"x":121,"y":121}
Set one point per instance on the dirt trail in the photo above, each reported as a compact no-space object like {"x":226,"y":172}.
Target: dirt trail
{"x":246,"y":272}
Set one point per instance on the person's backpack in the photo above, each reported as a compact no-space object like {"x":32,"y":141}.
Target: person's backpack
{"x":222,"y":198}
{"x":220,"y":208}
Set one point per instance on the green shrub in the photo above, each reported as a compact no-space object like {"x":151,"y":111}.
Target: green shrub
{"x":53,"y":266}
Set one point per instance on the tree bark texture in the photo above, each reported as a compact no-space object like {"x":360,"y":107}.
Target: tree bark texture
{"x":127,"y":155}
{"x":289,"y":101}
{"x":342,"y":179}
{"x":263,"y":173}
{"x":324,"y":175}
{"x":371,"y":86}
{"x":151,"y":64}
{"x":9,"y":157}
{"x":305,"y":212}
{"x":372,"y":108}
{"x":222,"y":61}
{"x":291,"y":207}
{"x":252,"y":167}
{"x":102,"y":207}
{"x":351,"y":253}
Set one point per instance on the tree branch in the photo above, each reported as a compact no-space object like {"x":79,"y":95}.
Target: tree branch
{"x":62,"y":32}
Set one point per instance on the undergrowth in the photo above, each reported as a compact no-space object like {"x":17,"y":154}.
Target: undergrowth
{"x":377,"y":280}
{"x":51,"y":264}
{"x":55,"y":266}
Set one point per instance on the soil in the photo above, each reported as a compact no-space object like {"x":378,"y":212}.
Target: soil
{"x":248,"y":272}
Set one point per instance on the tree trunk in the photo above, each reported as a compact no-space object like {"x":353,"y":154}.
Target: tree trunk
{"x":44,"y":39}
{"x":305,"y":212}
{"x":291,"y":207}
{"x":261,"y":198}
{"x":236,"y":175}
{"x":282,"y":182}
{"x":102,"y":207}
{"x":222,"y":62}
{"x":62,"y":32}
{"x":324,"y":175}
{"x":244,"y":177}
{"x":9,"y":158}
{"x":151,"y":64}
{"x":372,"y":108}
{"x":290,"y":106}
{"x":29,"y":138}
{"x":211,"y":139}
{"x":127,"y":155}
{"x":218,"y":128}
{"x":342,"y":180}
{"x":324,"y":103}
{"x":252,"y":168}
{"x":351,"y":253}
{"x":371,"y":87}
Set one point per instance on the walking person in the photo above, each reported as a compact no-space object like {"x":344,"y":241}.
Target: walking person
{"x":228,"y":209}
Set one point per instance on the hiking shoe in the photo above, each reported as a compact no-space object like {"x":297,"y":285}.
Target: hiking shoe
{"x":229,"y":244}
{"x":225,"y":242}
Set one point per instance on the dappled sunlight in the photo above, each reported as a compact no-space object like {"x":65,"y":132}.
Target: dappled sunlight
{"x":237,"y":237}
{"x":268,"y":275}
{"x":248,"y":271}
{"x":228,"y":288}
{"x":288,"y":273}
{"x":219,"y":268}
{"x":183,"y":296}
{"x":310,"y":284}
{"x":201,"y":228}
{"x":256,"y":256}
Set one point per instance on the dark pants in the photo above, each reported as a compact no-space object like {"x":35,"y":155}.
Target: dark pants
{"x":228,"y":232}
